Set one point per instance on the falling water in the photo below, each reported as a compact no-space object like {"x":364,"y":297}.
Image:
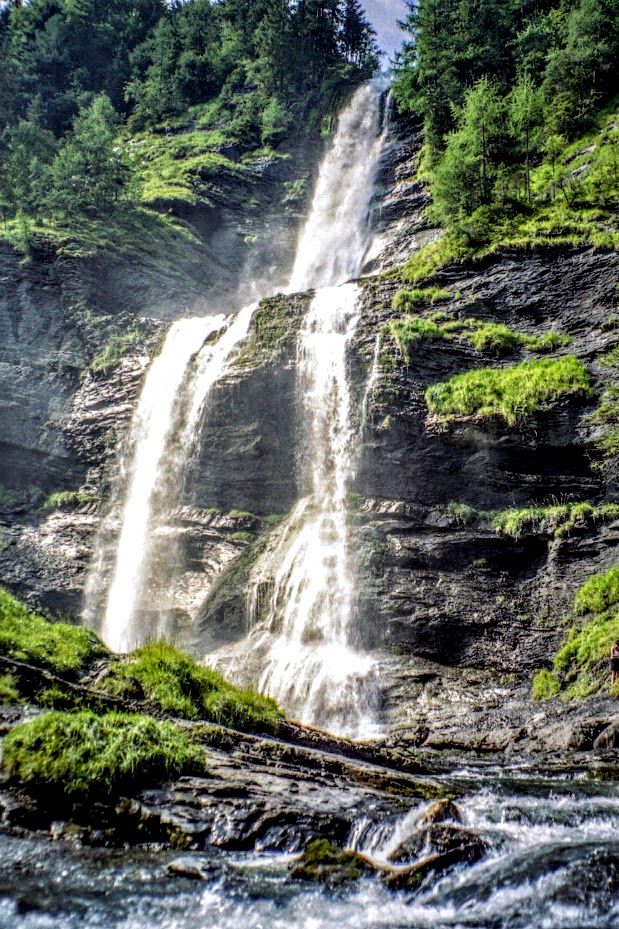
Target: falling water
{"x":335,"y":238}
{"x":162,"y":432}
{"x":300,"y":648}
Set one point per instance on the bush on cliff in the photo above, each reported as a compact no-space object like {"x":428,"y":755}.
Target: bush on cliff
{"x":58,"y":647}
{"x":180,"y":686}
{"x":512,"y":393}
{"x":85,"y":756}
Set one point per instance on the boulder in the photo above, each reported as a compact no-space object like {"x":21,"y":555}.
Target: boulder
{"x":328,"y":864}
{"x":443,"y":839}
{"x":440,"y":812}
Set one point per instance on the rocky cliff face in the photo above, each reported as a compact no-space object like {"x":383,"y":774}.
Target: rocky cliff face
{"x":439,"y":591}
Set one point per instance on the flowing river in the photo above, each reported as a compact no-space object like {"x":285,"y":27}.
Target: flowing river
{"x":553,"y":864}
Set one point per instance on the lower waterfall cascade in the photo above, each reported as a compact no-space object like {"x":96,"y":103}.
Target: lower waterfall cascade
{"x":308,"y":663}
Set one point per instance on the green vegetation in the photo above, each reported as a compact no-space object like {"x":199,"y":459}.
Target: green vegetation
{"x":487,"y":337}
{"x":581,"y":664}
{"x":67,"y":500}
{"x":117,"y":347}
{"x":545,"y":685}
{"x":407,"y":300}
{"x":110,"y":104}
{"x":598,"y":594}
{"x":9,"y":690}
{"x":84,"y":756}
{"x":412,"y":330}
{"x":557,"y":520}
{"x":607,"y":416}
{"x":512,"y":393}
{"x":58,"y":647}
{"x":498,"y":339}
{"x":518,"y":150}
{"x":179,"y":686}
{"x":274,"y":328}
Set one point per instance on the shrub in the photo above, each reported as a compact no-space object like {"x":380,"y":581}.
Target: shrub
{"x":513,"y":393}
{"x":180,"y":686}
{"x":598,"y":594}
{"x":26,"y":636}
{"x":86,"y":756}
{"x":545,"y":685}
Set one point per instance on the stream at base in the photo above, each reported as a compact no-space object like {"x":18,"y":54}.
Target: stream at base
{"x":553,"y":864}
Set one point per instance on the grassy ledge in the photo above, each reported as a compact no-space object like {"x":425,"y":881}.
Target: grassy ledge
{"x":488,"y":338}
{"x":57,"y":647}
{"x":557,"y":520}
{"x":512,"y":393}
{"x":177,"y":684}
{"x":85,"y":756}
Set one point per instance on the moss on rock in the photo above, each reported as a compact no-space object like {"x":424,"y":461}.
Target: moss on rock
{"x":58,"y":647}
{"x":86,"y":757}
{"x":326,"y":863}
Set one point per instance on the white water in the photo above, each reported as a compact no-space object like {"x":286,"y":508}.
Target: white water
{"x":299,"y":649}
{"x":309,"y":665}
{"x":335,"y":238}
{"x":154,"y":466}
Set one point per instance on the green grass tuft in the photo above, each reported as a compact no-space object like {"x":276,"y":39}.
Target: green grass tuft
{"x":512,"y":393}
{"x":494,"y":339}
{"x":411,"y":331}
{"x":85,"y":756}
{"x":180,"y":686}
{"x":598,"y":594}
{"x":546,"y":685}
{"x":407,"y":300}
{"x":58,"y":647}
{"x":9,"y":690}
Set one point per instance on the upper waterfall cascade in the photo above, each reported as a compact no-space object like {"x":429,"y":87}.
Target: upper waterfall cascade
{"x":302,"y":642}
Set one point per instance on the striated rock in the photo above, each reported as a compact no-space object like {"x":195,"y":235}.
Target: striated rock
{"x":323,"y":862}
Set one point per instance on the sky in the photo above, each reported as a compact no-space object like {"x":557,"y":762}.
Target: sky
{"x":384,"y":16}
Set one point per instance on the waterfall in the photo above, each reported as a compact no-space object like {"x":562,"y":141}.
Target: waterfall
{"x":162,"y":434}
{"x":300,"y":644}
{"x":335,"y":237}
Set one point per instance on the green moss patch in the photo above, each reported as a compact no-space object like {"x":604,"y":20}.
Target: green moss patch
{"x":327,"y":864}
{"x":58,"y":647}
{"x":407,"y":300}
{"x":512,"y":393}
{"x":117,"y":347}
{"x":177,"y":684}
{"x":85,"y":756}
{"x":581,"y":664}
